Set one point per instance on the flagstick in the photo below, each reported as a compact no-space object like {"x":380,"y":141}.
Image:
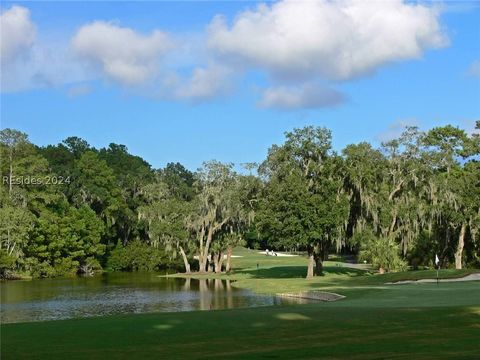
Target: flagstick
{"x":437,"y":274}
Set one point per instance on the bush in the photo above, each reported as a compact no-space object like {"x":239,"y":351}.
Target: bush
{"x":383,"y":253}
{"x":7,"y":265}
{"x":423,"y":252}
{"x":139,"y":256}
{"x":62,"y":267}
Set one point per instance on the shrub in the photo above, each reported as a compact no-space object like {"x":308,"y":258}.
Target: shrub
{"x":43,"y":269}
{"x":383,"y":253}
{"x":139,"y":256}
{"x":423,"y":251}
{"x":7,"y":264}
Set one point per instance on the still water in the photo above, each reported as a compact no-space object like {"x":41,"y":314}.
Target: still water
{"x":120,"y":293}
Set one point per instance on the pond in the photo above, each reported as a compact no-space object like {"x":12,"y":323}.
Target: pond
{"x":121,"y":293}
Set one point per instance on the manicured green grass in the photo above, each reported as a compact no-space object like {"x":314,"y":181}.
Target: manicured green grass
{"x":296,"y":332}
{"x":374,"y":321}
{"x":276,"y":274}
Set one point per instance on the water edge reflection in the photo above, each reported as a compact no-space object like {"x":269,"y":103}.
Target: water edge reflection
{"x":121,"y":293}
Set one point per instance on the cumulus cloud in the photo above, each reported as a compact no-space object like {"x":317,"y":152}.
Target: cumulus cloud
{"x":336,"y":40}
{"x":306,"y":96}
{"x":304,"y":47}
{"x":204,"y":83}
{"x":48,"y":64}
{"x":123,"y":54}
{"x":474,"y":69}
{"x":149,"y":64}
{"x":17,"y":34}
{"x":27,"y":61}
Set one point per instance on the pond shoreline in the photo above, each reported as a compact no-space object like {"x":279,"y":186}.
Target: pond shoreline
{"x":121,"y":293}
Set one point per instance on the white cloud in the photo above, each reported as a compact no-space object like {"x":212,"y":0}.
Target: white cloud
{"x":204,"y":83}
{"x":474,"y":69}
{"x":300,"y":45}
{"x":49,"y":64}
{"x":335,"y":40}
{"x":123,"y":54}
{"x":304,"y":96}
{"x":150,"y":65}
{"x":17,"y":34}
{"x":27,"y":61}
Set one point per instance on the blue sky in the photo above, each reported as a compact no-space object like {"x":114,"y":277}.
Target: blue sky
{"x":152,"y":102}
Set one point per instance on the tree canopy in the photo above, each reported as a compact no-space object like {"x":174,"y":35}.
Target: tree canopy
{"x":73,"y":209}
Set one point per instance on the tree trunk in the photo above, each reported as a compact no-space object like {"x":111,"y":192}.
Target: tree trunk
{"x":201,"y":257}
{"x":185,"y":261}
{"x":311,"y":262}
{"x":229,"y":260}
{"x":209,"y":263}
{"x":318,"y":265}
{"x":126,"y":235}
{"x":218,"y":262}
{"x":392,"y":225}
{"x":8,"y":239}
{"x":461,"y":244}
{"x":204,"y":258}
{"x":11,"y":250}
{"x":396,"y":190}
{"x":10,"y":177}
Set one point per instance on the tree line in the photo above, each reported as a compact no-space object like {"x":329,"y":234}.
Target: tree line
{"x":73,"y":209}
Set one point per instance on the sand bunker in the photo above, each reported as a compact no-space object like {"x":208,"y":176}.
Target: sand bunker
{"x":313,"y":295}
{"x":471,"y":277}
{"x":271,"y":253}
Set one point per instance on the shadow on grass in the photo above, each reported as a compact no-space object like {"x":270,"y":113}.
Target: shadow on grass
{"x":291,"y":272}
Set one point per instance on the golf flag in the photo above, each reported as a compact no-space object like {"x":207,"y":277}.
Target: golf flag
{"x":437,"y":260}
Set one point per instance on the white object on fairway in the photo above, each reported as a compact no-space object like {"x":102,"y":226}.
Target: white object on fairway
{"x":278,"y":254}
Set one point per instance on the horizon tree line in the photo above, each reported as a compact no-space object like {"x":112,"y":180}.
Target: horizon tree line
{"x":70,"y":208}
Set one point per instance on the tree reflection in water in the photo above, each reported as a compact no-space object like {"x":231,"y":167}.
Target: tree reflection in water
{"x":121,"y":293}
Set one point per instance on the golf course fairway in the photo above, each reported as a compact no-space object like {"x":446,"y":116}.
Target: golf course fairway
{"x":374,"y":321}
